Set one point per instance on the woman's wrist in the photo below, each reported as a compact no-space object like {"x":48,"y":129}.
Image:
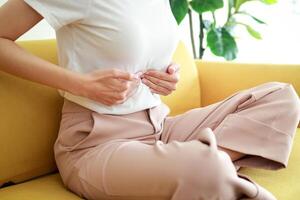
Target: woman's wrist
{"x":74,"y":83}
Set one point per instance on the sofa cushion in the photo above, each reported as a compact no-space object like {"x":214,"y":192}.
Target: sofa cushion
{"x":218,"y":80}
{"x":50,"y":187}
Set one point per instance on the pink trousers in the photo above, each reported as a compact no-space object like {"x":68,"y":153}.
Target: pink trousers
{"x":148,"y":155}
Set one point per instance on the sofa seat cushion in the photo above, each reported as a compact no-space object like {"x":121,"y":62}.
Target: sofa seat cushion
{"x":283,"y":183}
{"x":49,"y":187}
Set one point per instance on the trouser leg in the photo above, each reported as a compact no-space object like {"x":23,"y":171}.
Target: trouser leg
{"x":121,"y":159}
{"x":260,"y":122}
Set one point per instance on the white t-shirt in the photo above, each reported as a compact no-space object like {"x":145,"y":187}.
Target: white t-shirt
{"x":131,"y":35}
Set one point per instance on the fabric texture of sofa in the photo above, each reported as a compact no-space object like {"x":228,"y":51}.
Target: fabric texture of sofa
{"x":30,"y":116}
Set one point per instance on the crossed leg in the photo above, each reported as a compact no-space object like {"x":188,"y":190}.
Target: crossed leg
{"x":254,"y":126}
{"x":182,"y":161}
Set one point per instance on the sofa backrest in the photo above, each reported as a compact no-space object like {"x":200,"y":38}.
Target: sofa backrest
{"x":30,"y":114}
{"x":29,"y":121}
{"x":187,"y":94}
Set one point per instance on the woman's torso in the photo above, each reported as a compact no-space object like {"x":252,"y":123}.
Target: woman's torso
{"x":131,"y":35}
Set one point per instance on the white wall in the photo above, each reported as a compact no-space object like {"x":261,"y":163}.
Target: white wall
{"x":280,"y":42}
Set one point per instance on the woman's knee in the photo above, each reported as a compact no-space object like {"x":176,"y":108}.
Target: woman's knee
{"x":209,"y":174}
{"x":294,"y":98}
{"x":285,"y":99}
{"x":290,"y":101}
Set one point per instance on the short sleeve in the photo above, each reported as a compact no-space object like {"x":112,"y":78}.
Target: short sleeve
{"x":60,"y":12}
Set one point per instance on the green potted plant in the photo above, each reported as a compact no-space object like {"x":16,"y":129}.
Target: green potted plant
{"x":219,"y":38}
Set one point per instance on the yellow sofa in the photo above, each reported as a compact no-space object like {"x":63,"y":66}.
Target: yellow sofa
{"x":30,"y":116}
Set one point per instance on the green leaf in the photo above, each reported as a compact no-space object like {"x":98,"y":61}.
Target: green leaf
{"x":230,"y":7}
{"x":238,"y":3}
{"x":201,"y":6}
{"x":269,"y":1}
{"x":179,"y":9}
{"x":255,"y":18}
{"x":231,"y":3}
{"x":253,"y":32}
{"x":221,"y":43}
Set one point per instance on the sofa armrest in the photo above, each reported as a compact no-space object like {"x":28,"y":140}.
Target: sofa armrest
{"x":221,"y":79}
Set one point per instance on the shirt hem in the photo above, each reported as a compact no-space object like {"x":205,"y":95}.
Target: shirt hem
{"x":113,"y":110}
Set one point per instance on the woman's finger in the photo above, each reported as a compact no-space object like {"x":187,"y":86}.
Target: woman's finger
{"x":173,"y":68}
{"x":155,"y":87}
{"x":118,"y":84}
{"x":121,"y":85}
{"x":159,"y":92}
{"x":162,"y":75}
{"x":116,"y":73}
{"x":162,"y":83}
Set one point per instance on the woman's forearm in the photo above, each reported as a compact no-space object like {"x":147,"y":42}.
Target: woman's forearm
{"x":16,"y":61}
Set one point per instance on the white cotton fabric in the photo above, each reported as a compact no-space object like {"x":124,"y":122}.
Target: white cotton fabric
{"x":131,"y":35}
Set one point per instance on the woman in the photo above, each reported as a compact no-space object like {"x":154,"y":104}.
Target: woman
{"x":116,"y":140}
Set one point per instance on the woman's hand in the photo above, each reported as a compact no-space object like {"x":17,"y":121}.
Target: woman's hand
{"x":163,"y":83}
{"x":108,"y":86}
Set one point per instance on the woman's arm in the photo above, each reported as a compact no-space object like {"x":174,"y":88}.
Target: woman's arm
{"x":106,"y":86}
{"x":16,"y":18}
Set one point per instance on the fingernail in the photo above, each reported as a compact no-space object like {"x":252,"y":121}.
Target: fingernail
{"x":171,"y":69}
